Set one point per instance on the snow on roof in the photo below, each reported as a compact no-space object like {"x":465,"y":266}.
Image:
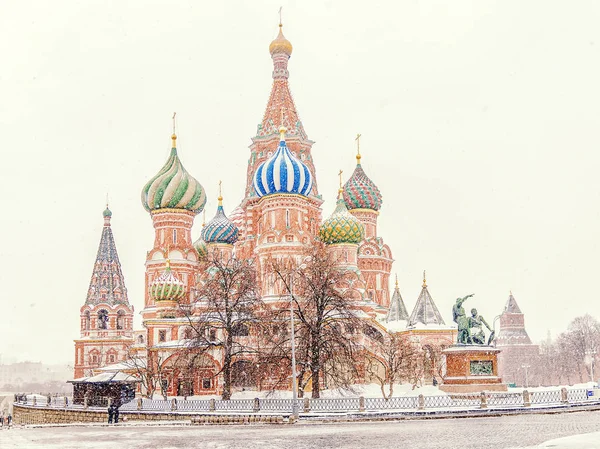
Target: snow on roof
{"x":394,"y":326}
{"x":107,"y":378}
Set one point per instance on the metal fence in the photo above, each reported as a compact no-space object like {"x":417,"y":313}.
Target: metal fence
{"x":335,"y":405}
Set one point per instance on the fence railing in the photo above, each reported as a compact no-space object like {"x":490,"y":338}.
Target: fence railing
{"x":349,"y":404}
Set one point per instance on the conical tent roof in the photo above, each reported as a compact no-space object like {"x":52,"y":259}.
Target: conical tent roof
{"x":397,"y":310}
{"x":512,"y":328}
{"x":107,"y":284}
{"x":425,"y":311}
{"x":511,"y":305}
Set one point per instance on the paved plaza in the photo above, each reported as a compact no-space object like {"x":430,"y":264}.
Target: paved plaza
{"x":465,"y":433}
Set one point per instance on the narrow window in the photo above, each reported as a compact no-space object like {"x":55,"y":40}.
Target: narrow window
{"x":206,"y":383}
{"x":162,"y":336}
{"x":174,"y":236}
{"x":287,"y":218}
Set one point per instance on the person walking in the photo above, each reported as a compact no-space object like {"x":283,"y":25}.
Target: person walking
{"x":116,"y":413}
{"x":111,"y":412}
{"x":9,"y":420}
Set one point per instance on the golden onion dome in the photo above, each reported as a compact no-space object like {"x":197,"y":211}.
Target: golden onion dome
{"x":280,"y":44}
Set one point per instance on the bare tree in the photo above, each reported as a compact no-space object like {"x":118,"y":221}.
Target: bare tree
{"x":391,"y":361}
{"x":152,"y":371}
{"x":325,"y":323}
{"x":226,"y":313}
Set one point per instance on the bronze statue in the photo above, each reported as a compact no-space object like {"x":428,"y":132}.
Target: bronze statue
{"x":460,"y":318}
{"x":470,"y":331}
{"x":475,"y":330}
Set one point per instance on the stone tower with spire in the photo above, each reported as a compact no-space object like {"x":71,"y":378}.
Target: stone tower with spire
{"x":517,"y":348}
{"x":106,"y":317}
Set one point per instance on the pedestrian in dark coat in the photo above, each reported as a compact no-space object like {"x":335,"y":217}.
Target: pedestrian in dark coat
{"x":111,"y":412}
{"x":116,"y":412}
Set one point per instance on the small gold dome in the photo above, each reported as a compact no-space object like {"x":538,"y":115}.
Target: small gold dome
{"x":281,"y":44}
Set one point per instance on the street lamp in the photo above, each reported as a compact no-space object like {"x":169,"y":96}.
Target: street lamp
{"x":294,"y":384}
{"x":591,"y":353}
{"x":525,"y":366}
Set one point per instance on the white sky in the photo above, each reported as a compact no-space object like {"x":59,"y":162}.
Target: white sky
{"x":480,"y":125}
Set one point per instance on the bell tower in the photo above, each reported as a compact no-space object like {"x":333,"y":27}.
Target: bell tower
{"x":106,"y":329}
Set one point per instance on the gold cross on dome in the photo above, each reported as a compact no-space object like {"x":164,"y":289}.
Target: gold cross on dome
{"x":280,"y":8}
{"x":174,"y":114}
{"x":358,"y":143}
{"x":340,"y":175}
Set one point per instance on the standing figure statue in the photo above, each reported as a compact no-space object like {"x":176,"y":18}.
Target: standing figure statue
{"x":460,"y":318}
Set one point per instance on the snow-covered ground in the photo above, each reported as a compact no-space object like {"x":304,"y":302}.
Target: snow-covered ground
{"x":583,"y":441}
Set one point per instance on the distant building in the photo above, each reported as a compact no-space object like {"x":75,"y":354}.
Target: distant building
{"x":519,"y":359}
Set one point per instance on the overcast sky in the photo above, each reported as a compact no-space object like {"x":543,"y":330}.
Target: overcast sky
{"x":480,"y":124}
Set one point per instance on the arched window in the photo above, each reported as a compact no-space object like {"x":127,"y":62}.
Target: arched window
{"x":86,"y":319}
{"x":140,"y":339}
{"x":102,"y":319}
{"x":187,"y":333}
{"x":111,"y":358}
{"x":120,"y":319}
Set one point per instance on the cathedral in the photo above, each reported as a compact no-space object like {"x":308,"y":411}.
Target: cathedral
{"x":279,"y":215}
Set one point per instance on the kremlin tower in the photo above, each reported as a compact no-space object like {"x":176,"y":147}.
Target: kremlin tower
{"x":106,"y":317}
{"x":517,"y":348}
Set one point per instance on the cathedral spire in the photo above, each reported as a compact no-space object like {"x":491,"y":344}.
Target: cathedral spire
{"x":281,"y":97}
{"x":107,"y":284}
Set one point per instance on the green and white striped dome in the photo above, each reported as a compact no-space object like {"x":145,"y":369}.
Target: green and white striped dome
{"x":173,"y":188}
{"x":167,"y":287}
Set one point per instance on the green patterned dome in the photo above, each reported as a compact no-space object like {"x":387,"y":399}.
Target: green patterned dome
{"x":107,"y":212}
{"x":173,"y":188}
{"x":200,"y":246}
{"x":167,"y":287}
{"x":341,"y":227}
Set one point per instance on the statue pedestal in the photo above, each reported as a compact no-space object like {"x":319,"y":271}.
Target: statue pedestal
{"x":471,"y":369}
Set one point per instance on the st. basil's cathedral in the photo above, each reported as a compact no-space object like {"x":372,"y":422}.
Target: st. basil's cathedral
{"x":279,"y":215}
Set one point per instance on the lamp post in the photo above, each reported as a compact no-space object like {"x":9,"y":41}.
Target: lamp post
{"x":525,"y":366}
{"x":591,"y":353}
{"x":294,"y":383}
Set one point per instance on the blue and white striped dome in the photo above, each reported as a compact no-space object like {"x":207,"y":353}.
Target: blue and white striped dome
{"x":220,"y":229}
{"x":282,"y":173}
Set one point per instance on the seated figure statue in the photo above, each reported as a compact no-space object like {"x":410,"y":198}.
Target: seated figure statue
{"x":475,"y":327}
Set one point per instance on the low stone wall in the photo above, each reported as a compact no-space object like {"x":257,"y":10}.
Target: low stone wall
{"x":26,"y":414}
